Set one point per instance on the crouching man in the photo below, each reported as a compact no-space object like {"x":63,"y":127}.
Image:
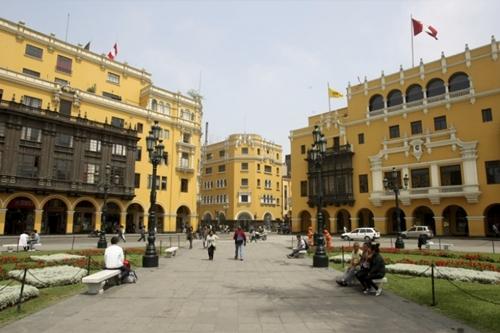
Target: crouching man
{"x":301,"y":246}
{"x":114,"y":257}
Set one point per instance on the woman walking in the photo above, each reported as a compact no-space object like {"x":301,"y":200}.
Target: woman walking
{"x":211,"y":237}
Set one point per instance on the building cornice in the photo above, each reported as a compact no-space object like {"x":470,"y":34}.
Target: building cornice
{"x":169,"y":95}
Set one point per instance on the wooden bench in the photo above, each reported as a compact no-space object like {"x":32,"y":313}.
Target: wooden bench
{"x":171,"y":251}
{"x":95,"y":282}
{"x":432,"y":245}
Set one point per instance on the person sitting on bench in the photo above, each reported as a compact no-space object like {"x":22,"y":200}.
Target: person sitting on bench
{"x":376,"y":271}
{"x":34,"y":239}
{"x":351,"y":271}
{"x":114,"y":257}
{"x":301,"y":246}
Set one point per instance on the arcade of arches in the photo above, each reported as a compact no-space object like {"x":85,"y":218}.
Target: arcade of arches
{"x":59,"y":215}
{"x":452,"y":220}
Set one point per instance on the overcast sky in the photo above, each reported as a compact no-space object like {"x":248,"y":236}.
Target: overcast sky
{"x":264,"y":64}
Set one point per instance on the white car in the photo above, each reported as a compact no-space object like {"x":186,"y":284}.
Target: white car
{"x":416,"y":231}
{"x":365,"y":234}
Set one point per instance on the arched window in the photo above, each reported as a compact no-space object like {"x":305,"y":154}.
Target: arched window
{"x":376,"y":102}
{"x":458,"y":81}
{"x":154,"y":105}
{"x":160,"y":107}
{"x":414,"y":93}
{"x":167,"y":108}
{"x":394,"y":98}
{"x":435,"y":87}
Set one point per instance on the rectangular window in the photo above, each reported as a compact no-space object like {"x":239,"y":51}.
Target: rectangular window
{"x":222,"y":153}
{"x":277,"y":186}
{"x":119,"y":150}
{"x":118,"y":174}
{"x":244,"y":198}
{"x":117,"y":122}
{"x":33,"y":51}
{"x":492,"y":172}
{"x":244,"y":182}
{"x":416,"y":127}
{"x":208,"y":171}
{"x":258,"y":182}
{"x":363,"y":183}
{"x":27,"y":165}
{"x":64,"y":140}
{"x":164,"y":134}
{"x":62,"y":169}
{"x":420,"y":178}
{"x":163,"y":183}
{"x":209,"y":156}
{"x":62,"y":82}
{"x":451,"y":175}
{"x":184,"y":160}
{"x":486,"y":114}
{"x":30,"y":72}
{"x":65,"y":107}
{"x":184,"y":185}
{"x":244,"y":166}
{"x":2,"y":129}
{"x":95,"y":146}
{"x":64,"y":64}
{"x":394,"y":131}
{"x":336,"y":142}
{"x":440,"y":123}
{"x":361,"y":138}
{"x":222,"y":168}
{"x":138,"y":154}
{"x":32,"y":101}
{"x":111,"y":96}
{"x":31,"y":134}
{"x":139,"y":127}
{"x":268,"y":169}
{"x":150,"y":182}
{"x":258,"y":167}
{"x":244,"y":151}
{"x":137,"y":180}
{"x":388,"y":175}
{"x":186,"y":137}
{"x":303,"y":188}
{"x":113,"y":78}
{"x":303,"y":149}
{"x":90,"y":173}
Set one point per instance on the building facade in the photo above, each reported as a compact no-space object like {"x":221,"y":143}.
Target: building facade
{"x":241,"y":181}
{"x":437,"y":124}
{"x":66,"y":114}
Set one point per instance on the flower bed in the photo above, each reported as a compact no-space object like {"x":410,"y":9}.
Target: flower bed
{"x":56,"y":257}
{"x":450,"y":273}
{"x":50,"y":276}
{"x":10,"y":295}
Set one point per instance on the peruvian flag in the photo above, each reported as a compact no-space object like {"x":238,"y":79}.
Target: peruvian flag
{"x":418,"y":27}
{"x":113,"y":53}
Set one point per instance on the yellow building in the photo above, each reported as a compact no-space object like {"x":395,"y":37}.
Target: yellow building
{"x":77,"y":104}
{"x":241,"y":181}
{"x":437,"y":124}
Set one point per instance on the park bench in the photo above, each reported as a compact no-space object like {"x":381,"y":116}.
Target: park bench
{"x":432,"y":245}
{"x":14,"y":247}
{"x":301,"y":253}
{"x":95,"y":282}
{"x":171,"y":251}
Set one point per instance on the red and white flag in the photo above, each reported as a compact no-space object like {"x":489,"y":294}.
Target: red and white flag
{"x":418,"y":27}
{"x":114,"y":52}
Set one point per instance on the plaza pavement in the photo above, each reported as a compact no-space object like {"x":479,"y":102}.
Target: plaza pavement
{"x":264,"y":293}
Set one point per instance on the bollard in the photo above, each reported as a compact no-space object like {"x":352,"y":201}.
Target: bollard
{"x":493,"y":245}
{"x":342,"y":256}
{"x":22,"y":290}
{"x":73,"y":243}
{"x":88,"y":265}
{"x":433,"y":288}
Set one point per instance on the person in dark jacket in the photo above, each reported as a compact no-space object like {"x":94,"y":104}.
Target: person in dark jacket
{"x":376,"y":271}
{"x":240,"y":240}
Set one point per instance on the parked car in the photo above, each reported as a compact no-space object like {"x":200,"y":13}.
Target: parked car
{"x":416,"y":231}
{"x":361,"y":234}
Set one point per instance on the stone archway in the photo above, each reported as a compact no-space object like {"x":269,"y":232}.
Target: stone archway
{"x":267,"y":220}
{"x":244,"y":219}
{"x":182,"y":219}
{"x":492,"y":218}
{"x":112,"y":217}
{"x":20,"y":216}
{"x":365,"y":218}
{"x":455,"y":221}
{"x":54,"y":217}
{"x":84,"y":217}
{"x":343,"y":220}
{"x":305,"y":221}
{"x":423,"y":215}
{"x":135,"y":218}
{"x":391,"y":218}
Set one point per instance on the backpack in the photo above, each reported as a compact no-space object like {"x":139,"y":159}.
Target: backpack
{"x":131,"y":277}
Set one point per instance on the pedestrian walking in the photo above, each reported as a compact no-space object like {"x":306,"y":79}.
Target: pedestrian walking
{"x":240,"y":240}
{"x":495,"y":230}
{"x":211,"y":238}
{"x":121,"y":233}
{"x":142,"y":231}
{"x":189,"y":236}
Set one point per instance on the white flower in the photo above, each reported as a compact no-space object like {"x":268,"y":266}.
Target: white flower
{"x":50,"y":276}
{"x":450,"y":273}
{"x":56,"y":257}
{"x":10,"y":295}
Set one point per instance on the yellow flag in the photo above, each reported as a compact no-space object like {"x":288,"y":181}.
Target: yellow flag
{"x":334,"y":94}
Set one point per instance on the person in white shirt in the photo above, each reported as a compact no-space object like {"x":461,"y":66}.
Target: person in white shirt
{"x":23,"y":241}
{"x":301,"y":245}
{"x":113,"y":256}
{"x":211,"y":238}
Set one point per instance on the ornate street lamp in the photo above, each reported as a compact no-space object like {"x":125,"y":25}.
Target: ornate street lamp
{"x":105,"y":184}
{"x":156,"y":152}
{"x":392,"y":184}
{"x":317,"y":155}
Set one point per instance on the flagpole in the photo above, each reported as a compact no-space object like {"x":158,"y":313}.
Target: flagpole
{"x":328,"y":90}
{"x":67,"y":28}
{"x":412,"y":35}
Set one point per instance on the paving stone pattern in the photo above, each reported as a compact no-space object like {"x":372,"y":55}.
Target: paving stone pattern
{"x":264,"y":293}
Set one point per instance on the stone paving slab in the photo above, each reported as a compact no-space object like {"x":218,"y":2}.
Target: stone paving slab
{"x":264,"y":293}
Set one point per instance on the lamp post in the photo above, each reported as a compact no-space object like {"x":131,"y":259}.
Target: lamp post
{"x":105,"y":184}
{"x":317,"y":154}
{"x":156,"y":152}
{"x":392,"y":184}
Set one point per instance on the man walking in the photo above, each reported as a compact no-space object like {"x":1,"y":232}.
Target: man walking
{"x":189,"y":236}
{"x":142,"y":231}
{"x":240,"y":240}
